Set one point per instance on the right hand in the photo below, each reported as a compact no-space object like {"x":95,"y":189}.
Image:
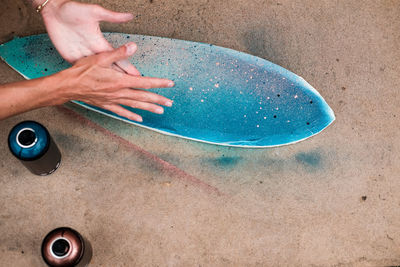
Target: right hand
{"x":94,"y":81}
{"x":74,"y":29}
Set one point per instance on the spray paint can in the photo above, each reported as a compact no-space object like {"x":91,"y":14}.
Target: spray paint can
{"x":66,"y":247}
{"x":32,"y":144}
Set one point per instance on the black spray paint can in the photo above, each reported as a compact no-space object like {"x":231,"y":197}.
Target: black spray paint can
{"x":32,"y":144}
{"x":66,"y":247}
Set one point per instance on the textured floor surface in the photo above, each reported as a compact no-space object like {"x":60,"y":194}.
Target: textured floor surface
{"x":144,"y":199}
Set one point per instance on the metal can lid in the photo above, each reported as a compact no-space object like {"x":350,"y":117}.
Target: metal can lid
{"x":63,"y":247}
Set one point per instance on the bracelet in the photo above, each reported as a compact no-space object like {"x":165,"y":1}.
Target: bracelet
{"x":40,"y":7}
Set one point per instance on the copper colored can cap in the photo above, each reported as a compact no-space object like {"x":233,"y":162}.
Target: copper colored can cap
{"x":62,"y":247}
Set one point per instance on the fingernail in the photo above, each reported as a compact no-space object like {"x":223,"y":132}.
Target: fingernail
{"x":171,"y":84}
{"x":159,"y":110}
{"x":130,"y":48}
{"x":139,"y":119}
{"x":168,"y":103}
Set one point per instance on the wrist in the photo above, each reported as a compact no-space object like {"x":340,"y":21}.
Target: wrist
{"x":56,"y":91}
{"x":50,"y":7}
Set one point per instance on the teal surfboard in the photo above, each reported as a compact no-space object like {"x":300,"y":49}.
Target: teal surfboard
{"x":221,"y":96}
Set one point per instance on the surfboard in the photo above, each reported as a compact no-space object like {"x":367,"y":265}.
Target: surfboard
{"x":221,"y":96}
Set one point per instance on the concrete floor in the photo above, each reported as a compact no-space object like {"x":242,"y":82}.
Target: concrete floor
{"x":145,"y":199}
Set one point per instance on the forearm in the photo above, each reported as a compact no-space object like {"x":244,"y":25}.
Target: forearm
{"x":19,"y":97}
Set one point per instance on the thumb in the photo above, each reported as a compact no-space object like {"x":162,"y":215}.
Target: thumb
{"x":108,"y":58}
{"x":111,"y":16}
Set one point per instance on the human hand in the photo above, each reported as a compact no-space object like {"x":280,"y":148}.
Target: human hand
{"x":93,"y":81}
{"x":74,"y":30}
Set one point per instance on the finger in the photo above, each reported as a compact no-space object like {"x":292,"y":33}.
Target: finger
{"x":117,"y":68}
{"x":105,"y":59}
{"x":144,"y":96}
{"x":142,"y":105}
{"x":128,"y":67}
{"x":124,"y":65}
{"x":111,"y":16}
{"x":117,"y":109}
{"x":145,"y":82}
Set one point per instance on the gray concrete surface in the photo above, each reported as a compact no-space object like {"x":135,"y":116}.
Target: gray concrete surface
{"x":144,"y":199}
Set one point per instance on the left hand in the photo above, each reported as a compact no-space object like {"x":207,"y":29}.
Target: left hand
{"x":92,"y":81}
{"x":75,"y":31}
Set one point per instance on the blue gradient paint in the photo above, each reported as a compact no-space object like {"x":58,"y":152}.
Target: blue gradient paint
{"x":221,"y":96}
{"x":34,"y":151}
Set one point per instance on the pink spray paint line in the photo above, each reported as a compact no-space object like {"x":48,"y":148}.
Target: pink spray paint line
{"x":167,"y":167}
